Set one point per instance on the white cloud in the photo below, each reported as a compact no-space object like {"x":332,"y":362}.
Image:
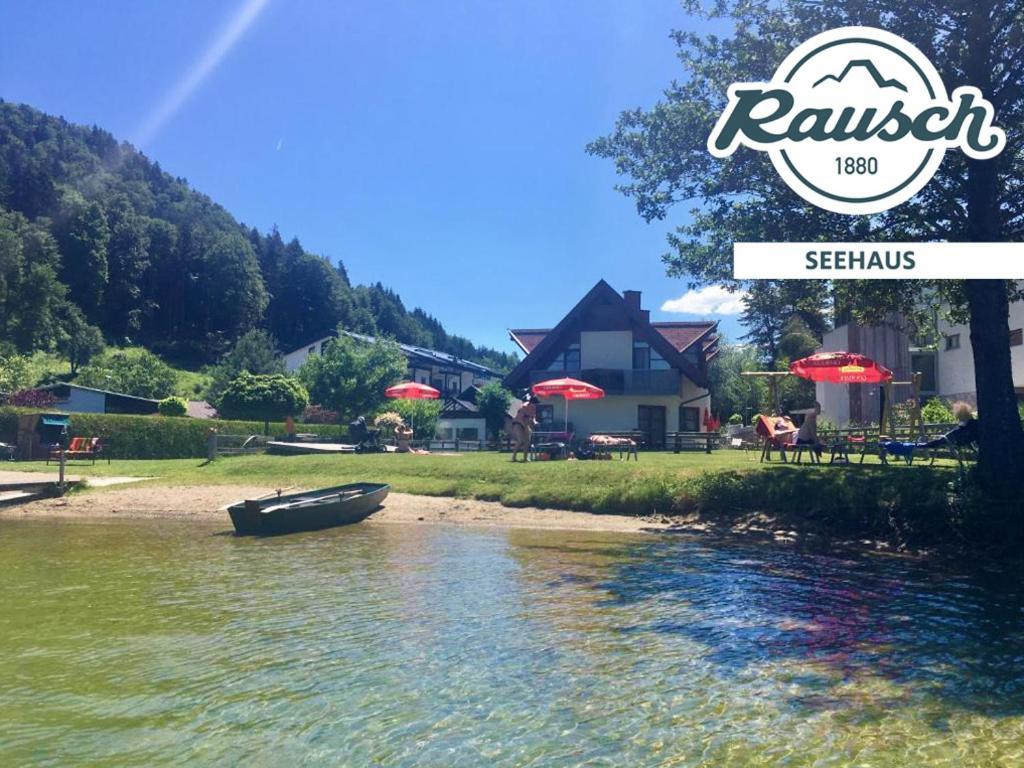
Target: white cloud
{"x":712,"y":300}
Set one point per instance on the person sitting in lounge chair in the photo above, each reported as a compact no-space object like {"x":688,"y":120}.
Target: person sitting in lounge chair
{"x":965,"y":433}
{"x":808,"y":432}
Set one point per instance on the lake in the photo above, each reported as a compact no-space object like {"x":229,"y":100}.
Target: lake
{"x":165,"y":643}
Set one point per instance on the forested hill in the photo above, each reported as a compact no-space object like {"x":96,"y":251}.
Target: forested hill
{"x":91,"y":231}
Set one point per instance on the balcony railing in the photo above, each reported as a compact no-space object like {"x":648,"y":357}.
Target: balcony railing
{"x":616,"y":381}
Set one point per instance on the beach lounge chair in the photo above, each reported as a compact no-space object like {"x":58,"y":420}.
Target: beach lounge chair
{"x":79,"y":448}
{"x":775,"y":432}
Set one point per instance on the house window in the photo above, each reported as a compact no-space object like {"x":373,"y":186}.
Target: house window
{"x":647,"y":359}
{"x":468,"y":433}
{"x":569,"y":360}
{"x":311,"y":350}
{"x":953,"y":341}
{"x":545,"y":416}
{"x":1017,"y":337}
{"x":689,"y":419}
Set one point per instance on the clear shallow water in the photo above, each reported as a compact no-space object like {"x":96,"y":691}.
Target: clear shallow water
{"x":152,"y":644}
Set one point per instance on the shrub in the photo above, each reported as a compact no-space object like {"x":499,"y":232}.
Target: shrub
{"x":172,"y":406}
{"x":260,"y":396}
{"x":421,"y":415}
{"x":387,"y":422}
{"x":317,"y":414}
{"x":129,"y":371}
{"x":150,"y":437}
{"x":32,"y":398}
{"x":735,"y":419}
{"x":14,"y":373}
{"x":936,"y":411}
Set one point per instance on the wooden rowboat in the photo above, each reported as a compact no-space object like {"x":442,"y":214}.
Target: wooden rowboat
{"x":309,"y":511}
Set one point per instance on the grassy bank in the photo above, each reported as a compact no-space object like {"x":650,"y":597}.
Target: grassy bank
{"x":904,"y":505}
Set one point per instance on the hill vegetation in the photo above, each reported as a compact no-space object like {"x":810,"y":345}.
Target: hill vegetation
{"x":95,"y":236}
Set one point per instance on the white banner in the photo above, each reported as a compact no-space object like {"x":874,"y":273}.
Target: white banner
{"x":878,"y":261}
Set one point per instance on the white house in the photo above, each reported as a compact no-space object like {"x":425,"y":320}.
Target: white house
{"x":947,"y":369}
{"x":654,"y":374}
{"x":446,"y":372}
{"x":955,"y":359}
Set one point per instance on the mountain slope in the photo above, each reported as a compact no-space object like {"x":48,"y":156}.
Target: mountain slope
{"x":91,"y":229}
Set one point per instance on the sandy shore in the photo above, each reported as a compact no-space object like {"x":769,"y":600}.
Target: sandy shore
{"x":206,"y":503}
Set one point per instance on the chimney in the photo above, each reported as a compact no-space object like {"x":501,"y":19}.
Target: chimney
{"x":632,"y":299}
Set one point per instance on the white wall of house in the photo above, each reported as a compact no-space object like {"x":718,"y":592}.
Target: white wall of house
{"x":449,"y":429}
{"x":421,"y":373}
{"x":619,"y":413}
{"x":834,"y":398}
{"x":955,"y":367}
{"x":294,"y":359}
{"x":84,"y":401}
{"x":606,"y":349}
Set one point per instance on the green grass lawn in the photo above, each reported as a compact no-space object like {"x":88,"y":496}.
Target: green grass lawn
{"x":658,"y":482}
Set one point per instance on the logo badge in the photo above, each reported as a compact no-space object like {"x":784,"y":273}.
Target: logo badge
{"x":856,"y":120}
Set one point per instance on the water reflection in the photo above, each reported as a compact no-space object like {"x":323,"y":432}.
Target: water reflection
{"x":154,"y":643}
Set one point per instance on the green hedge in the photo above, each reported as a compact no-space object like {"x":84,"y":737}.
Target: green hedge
{"x":156,"y":437}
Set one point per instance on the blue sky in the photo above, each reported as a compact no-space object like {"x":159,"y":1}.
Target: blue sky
{"x":435,"y":147}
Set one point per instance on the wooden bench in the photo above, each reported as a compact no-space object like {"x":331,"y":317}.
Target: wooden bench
{"x":691,"y":441}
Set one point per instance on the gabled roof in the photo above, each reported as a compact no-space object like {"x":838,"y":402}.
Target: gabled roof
{"x":680,"y":335}
{"x":415,"y":355}
{"x":72,"y":385}
{"x":539,"y":343}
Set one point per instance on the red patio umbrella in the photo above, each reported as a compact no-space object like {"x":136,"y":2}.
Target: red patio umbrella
{"x":412,"y":390}
{"x":570,"y":389}
{"x":841,"y":368}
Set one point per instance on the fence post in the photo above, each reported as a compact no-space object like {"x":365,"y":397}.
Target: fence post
{"x":211,"y":444}
{"x":60,"y":482}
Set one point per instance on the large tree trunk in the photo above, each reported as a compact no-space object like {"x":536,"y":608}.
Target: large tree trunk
{"x":1001,"y":440}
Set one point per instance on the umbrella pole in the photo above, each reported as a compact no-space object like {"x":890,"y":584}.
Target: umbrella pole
{"x":566,"y":427}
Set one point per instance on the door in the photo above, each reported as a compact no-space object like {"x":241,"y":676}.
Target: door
{"x":650,"y":420}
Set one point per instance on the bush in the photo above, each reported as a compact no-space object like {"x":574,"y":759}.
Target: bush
{"x":937,"y":411}
{"x":271,"y":397}
{"x":135,"y":372}
{"x":317,"y":414}
{"x":387,"y":422}
{"x":150,"y":437}
{"x":421,"y":415}
{"x":735,"y":419}
{"x":32,"y":398}
{"x":172,"y":406}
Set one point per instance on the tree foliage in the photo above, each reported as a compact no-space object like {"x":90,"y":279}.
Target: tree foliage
{"x":131,"y":372}
{"x":150,"y":261}
{"x":662,"y":153}
{"x":493,"y":402}
{"x":262,"y":397}
{"x":421,"y":415}
{"x":350,"y":376}
{"x":255,"y":352}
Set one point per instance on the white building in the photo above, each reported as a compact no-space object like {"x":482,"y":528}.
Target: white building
{"x":654,"y":374}
{"x":955,"y":359}
{"x":947,"y":370}
{"x":448,"y":373}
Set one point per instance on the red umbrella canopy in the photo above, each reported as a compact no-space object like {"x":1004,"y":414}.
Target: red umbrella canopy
{"x":412,"y":391}
{"x":841,"y":368}
{"x":570,"y":389}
